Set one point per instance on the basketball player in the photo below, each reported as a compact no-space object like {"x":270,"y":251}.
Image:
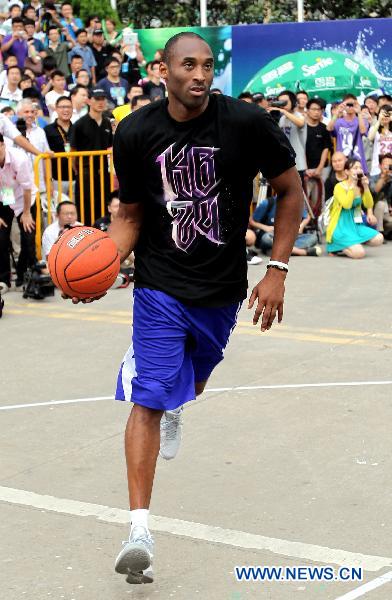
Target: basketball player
{"x":185,"y":167}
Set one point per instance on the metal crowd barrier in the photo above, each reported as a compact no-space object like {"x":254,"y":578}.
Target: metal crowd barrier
{"x":71,"y":177}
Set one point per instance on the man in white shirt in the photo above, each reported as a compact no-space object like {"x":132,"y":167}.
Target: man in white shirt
{"x":8,"y":130}
{"x":10,"y":89}
{"x":67,"y":215}
{"x":79,"y":98}
{"x":58,"y":89}
{"x":15,"y":10}
{"x":35,"y":135}
{"x":17,"y":197}
{"x":10,"y":61}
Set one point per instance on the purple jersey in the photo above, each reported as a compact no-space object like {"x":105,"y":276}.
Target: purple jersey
{"x":18,"y":48}
{"x":349,"y":140}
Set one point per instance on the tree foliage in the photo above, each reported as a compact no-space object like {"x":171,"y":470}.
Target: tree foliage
{"x":87,"y":8}
{"x":181,"y":13}
{"x":316,"y":10}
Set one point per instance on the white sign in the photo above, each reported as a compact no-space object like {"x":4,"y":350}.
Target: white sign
{"x":350,"y":64}
{"x":278,"y":72}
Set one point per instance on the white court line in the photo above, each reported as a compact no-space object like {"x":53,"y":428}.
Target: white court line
{"x":368,"y":587}
{"x":53,"y":402}
{"x":209,"y":390}
{"x":199,"y":531}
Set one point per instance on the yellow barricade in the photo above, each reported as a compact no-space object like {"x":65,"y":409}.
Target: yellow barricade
{"x":81,"y":159}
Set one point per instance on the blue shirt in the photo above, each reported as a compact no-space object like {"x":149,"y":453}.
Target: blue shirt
{"x":115,"y":92}
{"x":78,"y":22}
{"x":265,"y":212}
{"x":86,"y":53}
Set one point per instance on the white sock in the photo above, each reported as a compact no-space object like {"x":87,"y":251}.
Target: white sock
{"x":139,"y":517}
{"x":175,"y":411}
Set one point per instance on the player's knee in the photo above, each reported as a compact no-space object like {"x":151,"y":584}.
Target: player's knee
{"x":146,"y":414}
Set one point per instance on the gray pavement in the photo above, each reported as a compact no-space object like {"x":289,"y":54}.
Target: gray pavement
{"x":310,"y":465}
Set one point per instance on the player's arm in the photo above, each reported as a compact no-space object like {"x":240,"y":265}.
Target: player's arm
{"x":125,"y":228}
{"x":269,"y":292}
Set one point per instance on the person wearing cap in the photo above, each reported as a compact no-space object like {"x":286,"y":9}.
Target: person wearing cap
{"x":92,"y":132}
{"x":102,"y":52}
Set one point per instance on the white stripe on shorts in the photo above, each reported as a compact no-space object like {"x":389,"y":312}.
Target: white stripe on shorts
{"x":128,"y":373}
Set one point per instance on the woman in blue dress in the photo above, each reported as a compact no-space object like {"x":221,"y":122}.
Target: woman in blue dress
{"x":346,"y":232}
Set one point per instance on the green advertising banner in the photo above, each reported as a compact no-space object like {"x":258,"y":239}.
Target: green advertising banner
{"x":326,"y":59}
{"x":318,"y":72}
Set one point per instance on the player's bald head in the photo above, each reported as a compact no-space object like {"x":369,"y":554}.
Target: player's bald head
{"x":176,"y":42}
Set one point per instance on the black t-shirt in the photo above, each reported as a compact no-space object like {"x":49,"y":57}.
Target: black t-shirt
{"x":154,"y":90}
{"x":330,"y":183}
{"x":57,"y":138}
{"x":194,"y":179}
{"x":101,"y":57}
{"x":317,"y":139}
{"x":102,"y":223}
{"x":88,"y":135}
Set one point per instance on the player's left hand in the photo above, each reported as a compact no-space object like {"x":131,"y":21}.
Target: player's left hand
{"x":269,"y":293}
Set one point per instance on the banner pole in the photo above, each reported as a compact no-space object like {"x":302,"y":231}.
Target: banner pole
{"x":300,"y":10}
{"x":203,"y":13}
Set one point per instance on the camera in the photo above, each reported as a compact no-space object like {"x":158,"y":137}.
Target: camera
{"x":21,"y":126}
{"x":278,"y":103}
{"x":37,"y":284}
{"x":386,"y":108}
{"x":350,"y":104}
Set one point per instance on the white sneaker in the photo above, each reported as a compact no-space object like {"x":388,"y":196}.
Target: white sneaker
{"x":171,"y":429}
{"x":255,"y":260}
{"x":135,"y":559}
{"x":252,"y":258}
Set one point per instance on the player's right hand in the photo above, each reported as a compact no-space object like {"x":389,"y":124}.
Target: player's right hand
{"x":83,"y":300}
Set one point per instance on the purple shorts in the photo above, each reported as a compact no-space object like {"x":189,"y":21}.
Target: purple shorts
{"x":173,"y":347}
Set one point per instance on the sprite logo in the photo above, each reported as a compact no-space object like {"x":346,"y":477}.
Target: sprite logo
{"x":321,"y":63}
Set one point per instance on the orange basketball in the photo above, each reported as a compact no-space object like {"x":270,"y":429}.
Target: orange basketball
{"x":84,"y":262}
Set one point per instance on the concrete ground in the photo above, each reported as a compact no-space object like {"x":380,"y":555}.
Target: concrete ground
{"x":272,"y":471}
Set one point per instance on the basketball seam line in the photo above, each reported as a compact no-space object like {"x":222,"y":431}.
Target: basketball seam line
{"x":102,"y":237}
{"x":60,"y":242}
{"x":92,"y":274}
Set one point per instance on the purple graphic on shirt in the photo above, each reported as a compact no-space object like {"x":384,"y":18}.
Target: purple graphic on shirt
{"x":188,"y":182}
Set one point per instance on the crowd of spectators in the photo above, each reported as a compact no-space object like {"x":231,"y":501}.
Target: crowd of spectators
{"x":64,"y":86}
{"x":344,"y":158}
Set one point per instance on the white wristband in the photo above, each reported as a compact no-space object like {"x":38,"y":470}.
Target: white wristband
{"x":279,"y":265}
